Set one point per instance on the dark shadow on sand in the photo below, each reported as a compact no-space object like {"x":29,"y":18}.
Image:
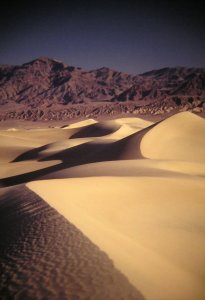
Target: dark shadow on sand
{"x":44,"y":256}
{"x":126,"y":148}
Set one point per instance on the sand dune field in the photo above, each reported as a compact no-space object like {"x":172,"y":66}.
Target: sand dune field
{"x":104,"y":210}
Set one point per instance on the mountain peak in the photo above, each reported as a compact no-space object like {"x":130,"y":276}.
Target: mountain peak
{"x":46,"y":81}
{"x":45,"y":60}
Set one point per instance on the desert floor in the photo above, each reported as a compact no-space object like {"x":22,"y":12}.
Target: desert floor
{"x":111,"y":209}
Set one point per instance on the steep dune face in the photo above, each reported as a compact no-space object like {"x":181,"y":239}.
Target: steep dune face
{"x":73,"y":145}
{"x":145,"y":224}
{"x":134,"y":188}
{"x":95,"y":130}
{"x":181,"y":137}
{"x":43,"y":256}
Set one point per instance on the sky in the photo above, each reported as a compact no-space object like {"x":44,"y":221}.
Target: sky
{"x":130,"y":36}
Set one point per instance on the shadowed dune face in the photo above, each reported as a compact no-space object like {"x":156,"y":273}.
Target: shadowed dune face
{"x":179,"y":138}
{"x":44,"y":256}
{"x":134,"y":188}
{"x":98,"y":129}
{"x":77,"y":151}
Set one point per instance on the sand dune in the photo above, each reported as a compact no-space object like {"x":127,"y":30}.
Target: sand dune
{"x":134,"y":188}
{"x":97,"y":129}
{"x":146,"y":227}
{"x":12,"y":146}
{"x":179,"y":137}
{"x":141,"y":167}
{"x":82,"y":123}
{"x":119,"y":142}
{"x":42,"y":258}
{"x":15,"y":169}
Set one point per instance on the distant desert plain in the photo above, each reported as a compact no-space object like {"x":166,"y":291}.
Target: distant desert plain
{"x":102,"y":210}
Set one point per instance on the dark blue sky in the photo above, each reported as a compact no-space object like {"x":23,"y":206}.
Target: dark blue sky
{"x":130,"y":36}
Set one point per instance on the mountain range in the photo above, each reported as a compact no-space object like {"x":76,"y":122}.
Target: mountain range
{"x":44,"y":85}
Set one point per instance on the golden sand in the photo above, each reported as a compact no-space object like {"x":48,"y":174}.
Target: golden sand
{"x":135,"y":189}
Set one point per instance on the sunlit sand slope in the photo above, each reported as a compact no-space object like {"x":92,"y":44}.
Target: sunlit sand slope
{"x":72,"y":145}
{"x":43,"y":256}
{"x":134,"y":188}
{"x":152,"y":228}
{"x":180,"y":137}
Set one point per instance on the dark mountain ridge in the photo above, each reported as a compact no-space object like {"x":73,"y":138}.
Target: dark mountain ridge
{"x":47,"y":83}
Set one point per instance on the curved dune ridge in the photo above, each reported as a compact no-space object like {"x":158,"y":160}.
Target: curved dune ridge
{"x":180,"y":137}
{"x":152,"y":228}
{"x":102,"y":141}
{"x":44,"y":256}
{"x":134,"y":188}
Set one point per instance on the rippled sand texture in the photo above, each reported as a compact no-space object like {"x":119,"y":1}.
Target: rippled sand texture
{"x":134,"y":188}
{"x":43,"y":256}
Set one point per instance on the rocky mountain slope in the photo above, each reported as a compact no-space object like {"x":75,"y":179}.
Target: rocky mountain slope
{"x":43,"y":87}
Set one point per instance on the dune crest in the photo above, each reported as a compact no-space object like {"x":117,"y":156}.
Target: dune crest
{"x":144,"y":224}
{"x":180,"y":137}
{"x":134,"y":188}
{"x":44,"y":257}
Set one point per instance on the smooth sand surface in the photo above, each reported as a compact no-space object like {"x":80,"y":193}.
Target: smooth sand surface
{"x":82,"y":123}
{"x":134,"y":188}
{"x":180,"y":137}
{"x":15,"y":169}
{"x":152,"y":228}
{"x":140,"y":167}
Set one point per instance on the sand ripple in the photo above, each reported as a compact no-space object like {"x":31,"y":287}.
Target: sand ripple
{"x":133,"y":188}
{"x":43,"y":256}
